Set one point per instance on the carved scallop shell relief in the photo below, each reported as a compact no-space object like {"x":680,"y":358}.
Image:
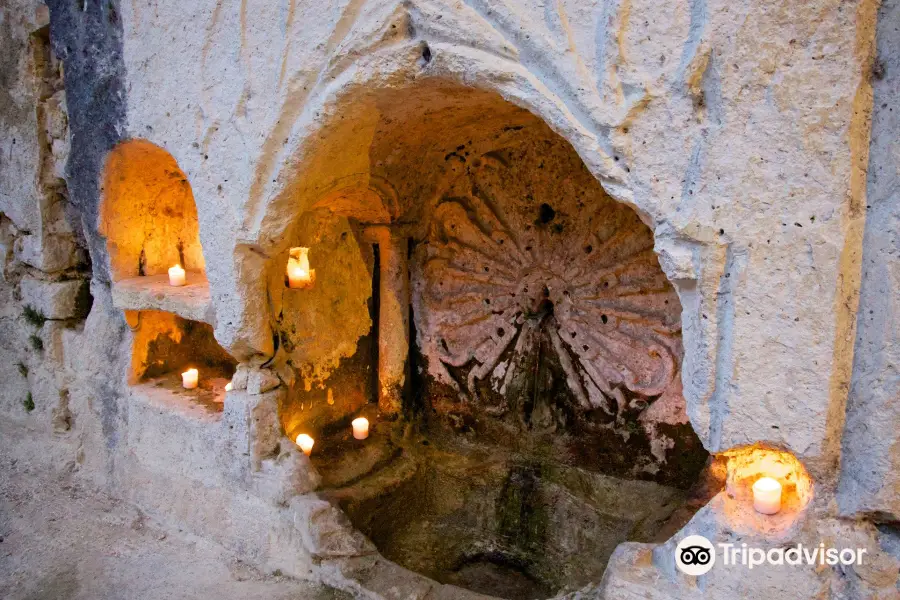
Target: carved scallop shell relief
{"x":539,"y":298}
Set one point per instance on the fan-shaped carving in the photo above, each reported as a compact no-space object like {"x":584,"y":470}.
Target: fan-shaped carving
{"x":522,"y":272}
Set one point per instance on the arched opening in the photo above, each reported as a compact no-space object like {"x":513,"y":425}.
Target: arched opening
{"x":148,"y":215}
{"x":505,"y":327}
{"x":149,"y":219}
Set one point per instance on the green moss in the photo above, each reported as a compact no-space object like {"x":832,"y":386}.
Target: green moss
{"x":36,"y":342}
{"x":23,"y":370}
{"x":28,"y":403}
{"x":34,"y":316}
{"x":521,"y":510}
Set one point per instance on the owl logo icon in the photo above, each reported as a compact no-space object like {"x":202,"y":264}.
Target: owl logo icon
{"x":695,"y":555}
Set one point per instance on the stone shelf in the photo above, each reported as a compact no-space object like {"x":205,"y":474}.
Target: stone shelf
{"x":191,"y":301}
{"x":205,"y":403}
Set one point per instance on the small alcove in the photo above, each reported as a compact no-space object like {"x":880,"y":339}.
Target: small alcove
{"x":149,"y":219}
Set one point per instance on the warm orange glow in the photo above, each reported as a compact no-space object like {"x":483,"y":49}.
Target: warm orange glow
{"x":147,"y":214}
{"x":767,"y":496}
{"x":360,"y":428}
{"x":766,"y":489}
{"x":306,"y":443}
{"x":189,"y":379}
{"x":298,"y":271}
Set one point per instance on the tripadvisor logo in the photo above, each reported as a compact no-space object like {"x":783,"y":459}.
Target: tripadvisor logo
{"x":695,"y":555}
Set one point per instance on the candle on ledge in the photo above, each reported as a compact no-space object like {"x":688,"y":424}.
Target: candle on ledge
{"x":767,"y":496}
{"x":306,"y":443}
{"x":189,"y":379}
{"x":177,"y":276}
{"x":360,"y":428}
{"x":298,"y":272}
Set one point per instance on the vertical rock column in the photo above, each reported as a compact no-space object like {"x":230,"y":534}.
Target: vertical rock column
{"x":393,"y":317}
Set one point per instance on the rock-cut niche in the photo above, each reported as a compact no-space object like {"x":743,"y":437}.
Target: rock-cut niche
{"x":149,"y":219}
{"x":542,"y":418}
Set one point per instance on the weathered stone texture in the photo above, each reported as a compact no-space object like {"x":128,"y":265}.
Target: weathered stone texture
{"x":737,"y":132}
{"x":728,"y":128}
{"x":870,"y":465}
{"x":190,"y":301}
{"x":20,"y":145}
{"x":53,"y":299}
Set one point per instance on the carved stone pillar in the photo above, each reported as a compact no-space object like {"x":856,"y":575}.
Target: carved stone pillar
{"x":393,"y":316}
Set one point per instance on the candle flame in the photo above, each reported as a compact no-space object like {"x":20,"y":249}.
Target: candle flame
{"x":306,"y":443}
{"x":765,"y":484}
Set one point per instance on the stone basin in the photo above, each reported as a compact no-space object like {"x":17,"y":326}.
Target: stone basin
{"x":506,"y":524}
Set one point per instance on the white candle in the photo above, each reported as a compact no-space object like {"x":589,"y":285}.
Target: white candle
{"x":177,"y":276}
{"x":306,"y":443}
{"x":767,"y":496}
{"x":299,"y":275}
{"x":189,"y":379}
{"x":360,"y":428}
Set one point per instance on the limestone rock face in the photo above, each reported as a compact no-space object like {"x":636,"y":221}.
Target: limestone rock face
{"x":260,"y":381}
{"x":646,"y":571}
{"x":325,"y":530}
{"x":53,"y":299}
{"x":734,"y":148}
{"x":870,"y":459}
{"x":737,"y":133}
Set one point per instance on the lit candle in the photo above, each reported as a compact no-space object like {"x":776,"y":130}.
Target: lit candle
{"x":360,"y":428}
{"x":228,"y":387}
{"x":299,"y":275}
{"x":189,"y":379}
{"x":306,"y":443}
{"x":177,"y":276}
{"x":767,"y":496}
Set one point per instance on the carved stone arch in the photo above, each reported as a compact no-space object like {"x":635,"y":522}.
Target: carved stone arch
{"x":286,"y":185}
{"x":362,"y":196}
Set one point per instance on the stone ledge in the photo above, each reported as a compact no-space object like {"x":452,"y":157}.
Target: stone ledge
{"x":191,"y":301}
{"x":161,"y":394}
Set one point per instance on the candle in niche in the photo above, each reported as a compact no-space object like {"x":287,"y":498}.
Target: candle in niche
{"x":177,"y":276}
{"x":189,"y":379}
{"x":767,"y":496}
{"x":298,"y":272}
{"x":306,"y":443}
{"x":360,"y":428}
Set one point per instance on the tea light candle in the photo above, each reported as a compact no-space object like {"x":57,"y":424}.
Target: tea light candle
{"x":189,"y":379}
{"x":360,"y":428}
{"x":177,"y":276}
{"x":299,"y":275}
{"x":306,"y":443}
{"x":767,"y":496}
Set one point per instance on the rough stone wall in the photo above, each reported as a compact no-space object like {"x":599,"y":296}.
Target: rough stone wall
{"x":738,"y":131}
{"x":43,"y":263}
{"x":869,"y":482}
